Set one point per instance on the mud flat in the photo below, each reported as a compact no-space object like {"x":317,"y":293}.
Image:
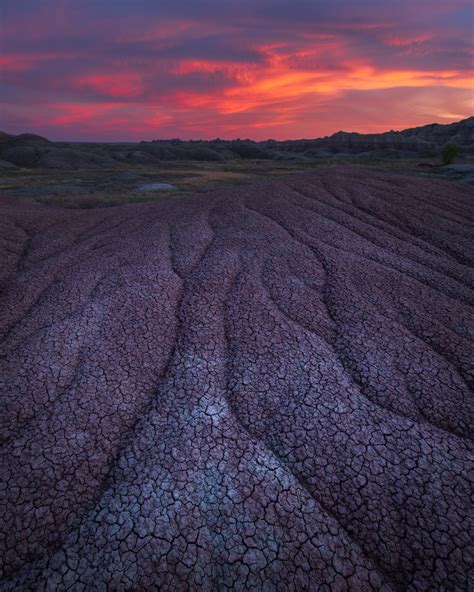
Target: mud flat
{"x":262,"y":388}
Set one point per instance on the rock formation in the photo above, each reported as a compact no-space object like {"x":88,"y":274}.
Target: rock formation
{"x":28,"y":150}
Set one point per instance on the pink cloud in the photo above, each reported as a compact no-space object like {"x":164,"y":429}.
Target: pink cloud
{"x":127,"y":85}
{"x":80,"y":73}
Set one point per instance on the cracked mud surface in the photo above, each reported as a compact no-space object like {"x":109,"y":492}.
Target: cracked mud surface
{"x":267,"y":388}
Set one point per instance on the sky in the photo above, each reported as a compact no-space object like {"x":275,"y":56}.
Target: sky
{"x":126,"y":70}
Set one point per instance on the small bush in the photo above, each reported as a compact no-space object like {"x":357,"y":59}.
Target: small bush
{"x":450,"y":153}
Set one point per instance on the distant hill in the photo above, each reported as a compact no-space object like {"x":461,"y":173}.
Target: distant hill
{"x":427,"y":139}
{"x":30,"y":150}
{"x":461,"y":132}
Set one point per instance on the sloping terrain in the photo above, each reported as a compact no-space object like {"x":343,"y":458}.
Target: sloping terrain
{"x":266,"y":388}
{"x":32,"y":151}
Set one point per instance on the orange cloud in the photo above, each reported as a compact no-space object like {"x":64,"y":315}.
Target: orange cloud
{"x":279,"y":82}
{"x":229,"y":72}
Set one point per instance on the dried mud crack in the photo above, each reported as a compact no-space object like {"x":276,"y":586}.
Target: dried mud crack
{"x":264,"y":388}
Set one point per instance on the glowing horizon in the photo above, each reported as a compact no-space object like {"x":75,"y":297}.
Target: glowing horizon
{"x":284,"y":70}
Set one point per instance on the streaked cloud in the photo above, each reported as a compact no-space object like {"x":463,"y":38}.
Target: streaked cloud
{"x":91,"y":69}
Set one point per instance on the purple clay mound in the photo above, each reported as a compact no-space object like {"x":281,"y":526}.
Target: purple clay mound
{"x":264,"y":388}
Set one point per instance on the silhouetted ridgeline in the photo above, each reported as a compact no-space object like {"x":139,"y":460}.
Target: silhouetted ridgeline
{"x":29,"y":150}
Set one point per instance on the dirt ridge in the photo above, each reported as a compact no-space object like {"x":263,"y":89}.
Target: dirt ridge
{"x":262,"y":388}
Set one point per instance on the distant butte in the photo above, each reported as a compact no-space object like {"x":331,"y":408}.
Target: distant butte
{"x":31,"y":151}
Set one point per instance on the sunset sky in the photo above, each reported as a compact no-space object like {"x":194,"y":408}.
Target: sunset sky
{"x":143,"y":69}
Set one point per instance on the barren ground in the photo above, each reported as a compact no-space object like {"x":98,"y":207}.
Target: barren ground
{"x":102,"y":187}
{"x":259,"y":388}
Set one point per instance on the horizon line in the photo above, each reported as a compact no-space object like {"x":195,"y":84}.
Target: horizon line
{"x":170,"y":139}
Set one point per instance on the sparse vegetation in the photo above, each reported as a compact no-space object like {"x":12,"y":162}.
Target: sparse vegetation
{"x":90,"y":188}
{"x":450,"y":153}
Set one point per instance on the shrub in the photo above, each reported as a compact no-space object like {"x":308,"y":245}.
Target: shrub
{"x":450,"y":152}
